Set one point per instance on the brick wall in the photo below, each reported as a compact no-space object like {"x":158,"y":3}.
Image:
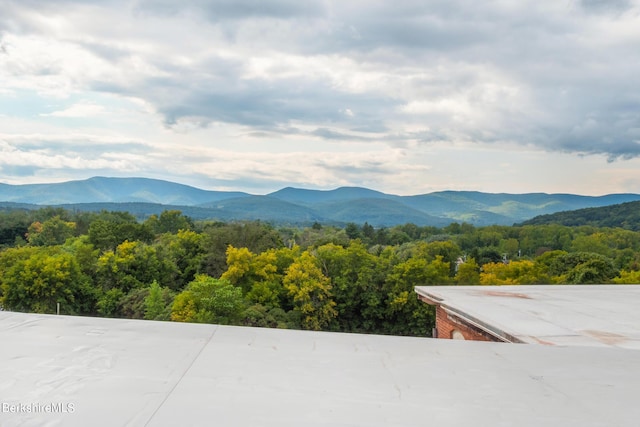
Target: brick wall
{"x":446,"y":325}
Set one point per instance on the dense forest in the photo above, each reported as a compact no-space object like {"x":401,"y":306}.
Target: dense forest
{"x":623,"y":215}
{"x":352,"y":279}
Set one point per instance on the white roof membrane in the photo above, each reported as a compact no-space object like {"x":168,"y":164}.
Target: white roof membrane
{"x":584,"y":315}
{"x":117,"y":372}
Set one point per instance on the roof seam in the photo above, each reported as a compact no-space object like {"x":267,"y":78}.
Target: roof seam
{"x":193,"y":361}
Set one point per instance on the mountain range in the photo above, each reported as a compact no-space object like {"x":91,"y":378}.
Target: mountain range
{"x":143,"y":197}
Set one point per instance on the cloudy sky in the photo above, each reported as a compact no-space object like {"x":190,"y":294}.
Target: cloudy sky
{"x":405,"y":96}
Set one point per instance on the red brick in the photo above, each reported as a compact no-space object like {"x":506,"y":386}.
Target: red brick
{"x":446,"y":324}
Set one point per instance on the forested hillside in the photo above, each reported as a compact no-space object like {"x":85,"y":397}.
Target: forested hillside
{"x":354,"y":279}
{"x":624,"y":215}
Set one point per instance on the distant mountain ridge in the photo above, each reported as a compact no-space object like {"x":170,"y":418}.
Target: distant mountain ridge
{"x":112,"y":190}
{"x":299,"y":195}
{"x":300,"y":206}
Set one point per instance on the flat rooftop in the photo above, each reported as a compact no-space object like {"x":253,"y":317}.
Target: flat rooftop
{"x":117,"y":372}
{"x":567,"y":315}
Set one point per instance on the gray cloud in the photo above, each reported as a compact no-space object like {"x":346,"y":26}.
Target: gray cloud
{"x":219,"y":97}
{"x":280,"y":9}
{"x":616,"y":6}
{"x":558,"y":75}
{"x":331,"y":134}
{"x":366,"y":168}
{"x":19,"y":170}
{"x":220,"y":10}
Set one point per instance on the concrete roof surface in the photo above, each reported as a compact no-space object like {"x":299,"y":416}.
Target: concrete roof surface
{"x":117,"y":372}
{"x":583,"y":315}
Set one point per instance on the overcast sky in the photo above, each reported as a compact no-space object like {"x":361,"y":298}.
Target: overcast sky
{"x":404,"y":96}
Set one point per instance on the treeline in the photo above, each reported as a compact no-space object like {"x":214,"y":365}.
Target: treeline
{"x":353,"y":279}
{"x":623,"y":215}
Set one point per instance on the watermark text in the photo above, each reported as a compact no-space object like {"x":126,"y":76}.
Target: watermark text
{"x":38,"y":407}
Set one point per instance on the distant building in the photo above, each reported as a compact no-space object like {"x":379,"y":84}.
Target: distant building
{"x":567,"y":315}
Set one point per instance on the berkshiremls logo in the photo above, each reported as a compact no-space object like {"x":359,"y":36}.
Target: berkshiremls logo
{"x":36,"y":407}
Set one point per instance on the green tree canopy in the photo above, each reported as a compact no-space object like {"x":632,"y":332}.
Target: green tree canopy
{"x":357,"y":279}
{"x":169,"y":221}
{"x":583,"y":268}
{"x":53,"y":231}
{"x":209,"y":300}
{"x":157,"y":305}
{"x":131,"y":265}
{"x":35,"y":279}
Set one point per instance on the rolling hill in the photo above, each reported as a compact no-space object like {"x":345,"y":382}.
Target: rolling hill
{"x":289,"y":205}
{"x":624,"y":215}
{"x":379,"y":211}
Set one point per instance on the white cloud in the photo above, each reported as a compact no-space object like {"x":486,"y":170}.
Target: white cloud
{"x":44,"y":159}
{"x":82,"y":109}
{"x":323,"y":93}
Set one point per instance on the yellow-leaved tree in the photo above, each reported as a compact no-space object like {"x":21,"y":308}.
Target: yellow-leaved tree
{"x":310,"y":291}
{"x":513,"y":273}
